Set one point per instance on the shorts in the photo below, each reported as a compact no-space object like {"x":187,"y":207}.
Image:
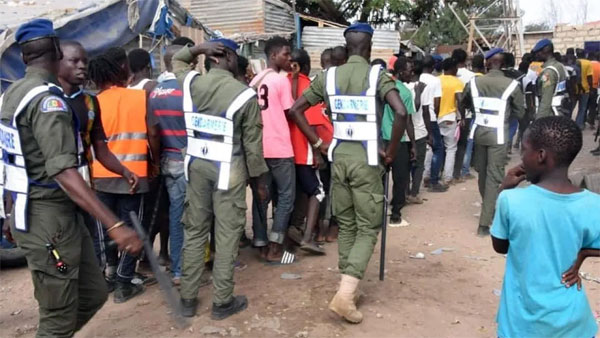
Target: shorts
{"x":309,"y":181}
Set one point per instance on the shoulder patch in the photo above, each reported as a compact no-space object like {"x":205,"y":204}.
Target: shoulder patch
{"x":53,"y":103}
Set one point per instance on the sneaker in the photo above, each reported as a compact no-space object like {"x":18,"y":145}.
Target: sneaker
{"x":468,"y":176}
{"x":176,"y":281}
{"x":312,"y":248}
{"x":164,"y":261}
{"x":220,"y":312}
{"x":402,"y":223}
{"x":438,"y":188}
{"x":395,"y":219}
{"x":126,"y":291}
{"x":139,"y":278}
{"x":188,"y":307}
{"x":426,"y":183}
{"x":110,"y":284}
{"x":414,"y":200}
{"x":483,"y":231}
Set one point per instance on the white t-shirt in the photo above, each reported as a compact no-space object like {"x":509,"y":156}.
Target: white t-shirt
{"x":431,"y":91}
{"x":417,"y":117}
{"x":530,"y":77}
{"x":465,"y":76}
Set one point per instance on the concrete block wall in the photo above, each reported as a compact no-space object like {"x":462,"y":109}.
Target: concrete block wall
{"x":566,"y":36}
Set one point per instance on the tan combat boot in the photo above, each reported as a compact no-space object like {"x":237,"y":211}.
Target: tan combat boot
{"x":343,"y":303}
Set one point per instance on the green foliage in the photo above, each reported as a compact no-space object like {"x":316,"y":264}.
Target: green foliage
{"x":374,"y":11}
{"x":444,"y":28}
{"x":536,"y":27}
{"x":438,"y":24}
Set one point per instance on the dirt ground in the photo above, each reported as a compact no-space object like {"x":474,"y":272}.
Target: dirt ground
{"x":453,"y":294}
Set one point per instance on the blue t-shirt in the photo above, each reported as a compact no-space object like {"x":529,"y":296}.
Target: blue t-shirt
{"x":546,"y":231}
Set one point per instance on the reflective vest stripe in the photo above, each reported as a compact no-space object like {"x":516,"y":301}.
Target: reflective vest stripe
{"x":127,"y":136}
{"x":350,"y":106}
{"x":220,"y":152}
{"x":491,"y":111}
{"x":139,"y":85}
{"x":561,"y":87}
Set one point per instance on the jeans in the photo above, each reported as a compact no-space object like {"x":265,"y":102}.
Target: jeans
{"x":172,"y":171}
{"x":513,"y":126}
{"x":400,"y":176}
{"x":438,"y":153}
{"x":121,"y":205}
{"x":582,"y":110}
{"x":418,"y":166}
{"x":281,"y":180}
{"x":466,"y":168}
{"x":593,"y":106}
{"x":448,"y":131}
{"x":461,"y":150}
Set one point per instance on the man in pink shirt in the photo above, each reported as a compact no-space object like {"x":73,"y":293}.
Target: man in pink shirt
{"x":275,"y":99}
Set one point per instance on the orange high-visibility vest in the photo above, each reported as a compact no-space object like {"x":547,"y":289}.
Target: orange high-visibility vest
{"x":123,"y":116}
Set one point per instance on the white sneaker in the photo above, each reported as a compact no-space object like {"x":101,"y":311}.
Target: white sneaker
{"x":402,"y":224}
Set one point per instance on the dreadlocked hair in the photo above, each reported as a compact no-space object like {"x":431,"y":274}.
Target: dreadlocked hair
{"x":557,"y":134}
{"x":105,"y":72}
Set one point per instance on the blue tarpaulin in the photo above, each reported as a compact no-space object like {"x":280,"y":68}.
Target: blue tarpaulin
{"x":97,"y":29}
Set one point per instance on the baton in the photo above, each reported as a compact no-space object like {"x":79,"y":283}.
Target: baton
{"x":384,"y":223}
{"x":171,"y":296}
{"x":155,"y":209}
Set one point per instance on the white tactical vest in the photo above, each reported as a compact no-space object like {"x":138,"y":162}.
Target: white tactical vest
{"x":559,"y":91}
{"x":349,"y":106}
{"x":491,"y":111}
{"x":204,"y":130}
{"x":13,"y":172}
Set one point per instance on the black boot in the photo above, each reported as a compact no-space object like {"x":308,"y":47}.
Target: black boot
{"x":483,"y":231}
{"x":126,"y":291}
{"x":220,"y":312}
{"x":189,"y":307}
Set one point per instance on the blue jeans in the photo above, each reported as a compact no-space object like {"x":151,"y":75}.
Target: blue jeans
{"x":172,"y":171}
{"x":438,"y":153}
{"x":120,"y":205}
{"x":466,"y":168}
{"x":513,"y":126}
{"x":281,"y":183}
{"x":582,"y":110}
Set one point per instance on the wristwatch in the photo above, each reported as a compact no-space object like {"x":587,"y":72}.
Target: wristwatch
{"x":317,"y":144}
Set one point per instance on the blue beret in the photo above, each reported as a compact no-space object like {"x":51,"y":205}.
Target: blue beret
{"x":361,"y":27}
{"x":437,"y":57}
{"x":228,"y":43}
{"x":541,"y":44}
{"x":493,"y":52}
{"x":35,"y":29}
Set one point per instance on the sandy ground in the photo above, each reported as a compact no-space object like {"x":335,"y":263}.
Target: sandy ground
{"x":451,"y":294}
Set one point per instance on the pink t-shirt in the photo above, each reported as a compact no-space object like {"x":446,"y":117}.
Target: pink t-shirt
{"x":275,"y":97}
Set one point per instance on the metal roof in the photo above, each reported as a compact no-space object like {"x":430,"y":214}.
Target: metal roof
{"x":278,"y":17}
{"x":315,"y":37}
{"x":14,"y":12}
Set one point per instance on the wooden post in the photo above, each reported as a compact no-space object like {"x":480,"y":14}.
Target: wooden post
{"x":471,"y":33}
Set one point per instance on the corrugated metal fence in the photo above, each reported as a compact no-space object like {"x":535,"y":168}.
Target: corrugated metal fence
{"x":230,"y":17}
{"x":315,"y":40}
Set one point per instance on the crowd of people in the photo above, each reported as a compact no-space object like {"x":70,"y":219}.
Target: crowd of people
{"x":181,"y":150}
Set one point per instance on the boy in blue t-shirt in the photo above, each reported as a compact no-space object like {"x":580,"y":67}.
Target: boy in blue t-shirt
{"x":543,"y":228}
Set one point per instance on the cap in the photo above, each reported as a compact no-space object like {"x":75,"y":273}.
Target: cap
{"x":493,"y":52}
{"x":540,"y":45}
{"x":360,"y":27}
{"x":437,"y":57}
{"x":227,"y":43}
{"x":35,"y":29}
